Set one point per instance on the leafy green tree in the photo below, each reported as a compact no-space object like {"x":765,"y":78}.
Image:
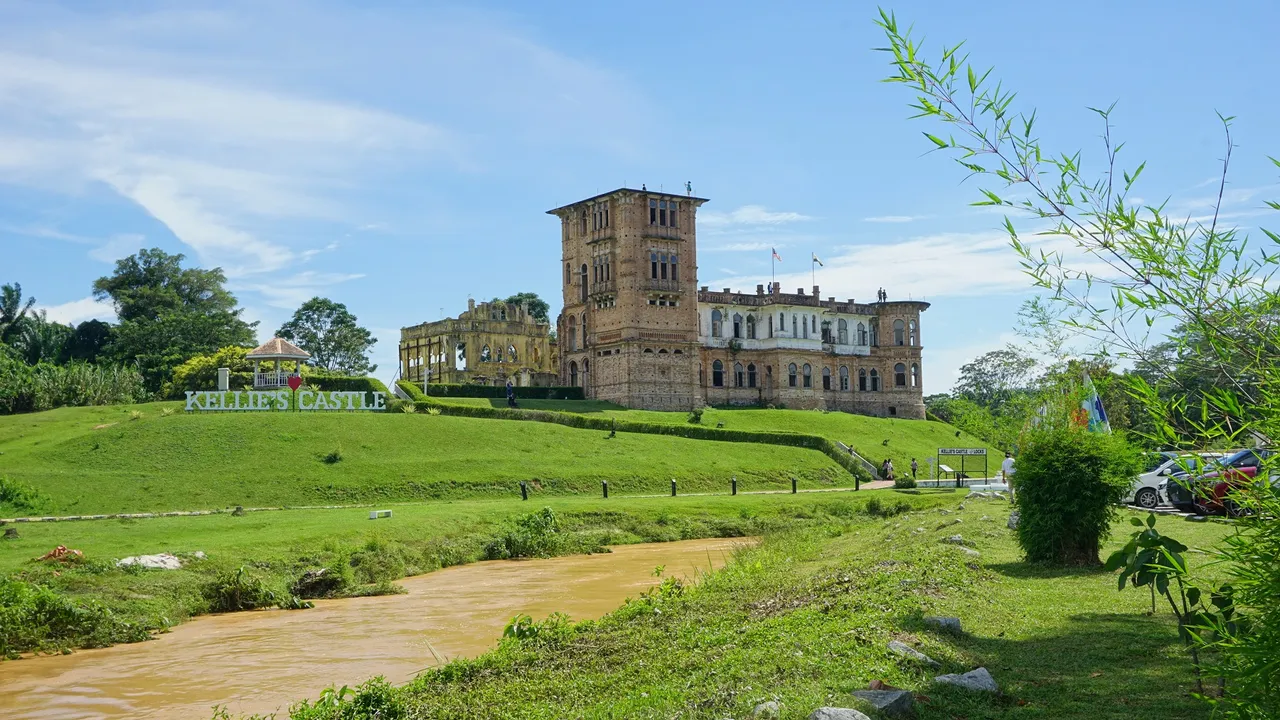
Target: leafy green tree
{"x":40,"y":341}
{"x":1200,"y":276}
{"x":12,"y":310}
{"x":996,"y":377}
{"x":169,"y":313}
{"x":89,"y":340}
{"x":332,"y":335}
{"x":537,"y":306}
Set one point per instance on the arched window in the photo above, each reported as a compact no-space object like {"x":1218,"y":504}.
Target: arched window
{"x":795,"y":326}
{"x":791,"y":375}
{"x":537,"y":355}
{"x":573,"y":374}
{"x":912,"y":328}
{"x":862,"y":379}
{"x":717,"y":373}
{"x":751,"y":373}
{"x":584,"y":337}
{"x":842,"y":332}
{"x":782,"y":322}
{"x":804,"y":325}
{"x":484,"y":354}
{"x":897,"y":333}
{"x":875,"y":380}
{"x":826,"y":378}
{"x":751,"y":327}
{"x":915,"y":375}
{"x":499,"y":353}
{"x":737,"y":325}
{"x":511,"y":353}
{"x":844,"y":378}
{"x":582,"y":280}
{"x":573,"y":336}
{"x":899,"y":375}
{"x":648,"y":351}
{"x":771,"y":326}
{"x":738,"y":379}
{"x":808,"y":375}
{"x":717,"y":319}
{"x":662,"y":351}
{"x":568,"y":274}
{"x":862,"y":334}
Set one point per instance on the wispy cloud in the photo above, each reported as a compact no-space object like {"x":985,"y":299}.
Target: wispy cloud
{"x":749,"y":215}
{"x":740,"y":247}
{"x":77,"y":311}
{"x":894,"y":218}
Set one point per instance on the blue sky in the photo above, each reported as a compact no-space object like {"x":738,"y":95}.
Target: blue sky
{"x":400,"y":156}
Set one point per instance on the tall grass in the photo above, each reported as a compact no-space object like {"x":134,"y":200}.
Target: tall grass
{"x":46,"y":386}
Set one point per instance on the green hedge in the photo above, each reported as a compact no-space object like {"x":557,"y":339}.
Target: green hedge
{"x":342,"y":383}
{"x":495,"y":391}
{"x":684,"y":430}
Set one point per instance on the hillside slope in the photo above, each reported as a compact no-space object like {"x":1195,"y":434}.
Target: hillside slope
{"x":98,"y":460}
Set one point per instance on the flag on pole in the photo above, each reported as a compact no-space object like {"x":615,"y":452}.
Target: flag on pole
{"x":776,"y":256}
{"x":1092,"y":404}
{"x":815,"y":259}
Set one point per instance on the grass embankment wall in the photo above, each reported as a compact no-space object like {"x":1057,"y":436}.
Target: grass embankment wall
{"x":689,"y":430}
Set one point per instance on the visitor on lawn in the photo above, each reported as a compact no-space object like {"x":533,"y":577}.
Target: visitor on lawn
{"x":1006,"y":469}
{"x":914,"y":468}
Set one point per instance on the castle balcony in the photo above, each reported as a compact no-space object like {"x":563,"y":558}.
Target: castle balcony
{"x":604,"y":287}
{"x":663,"y":285}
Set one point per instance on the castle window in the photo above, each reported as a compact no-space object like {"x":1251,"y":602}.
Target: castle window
{"x":648,"y":351}
{"x":771,"y":326}
{"x":573,"y":374}
{"x":826,"y":378}
{"x":751,"y":327}
{"x":568,"y":274}
{"x":912,"y":328}
{"x":737,"y":375}
{"x":862,"y":379}
{"x":795,"y":332}
{"x":584,"y":222}
{"x":716,"y":321}
{"x":511,"y":353}
{"x":862,"y":334}
{"x":663,"y":212}
{"x":782,"y":323}
{"x":582,"y":276}
{"x":842,"y":332}
{"x":584,"y":337}
{"x":805,"y":325}
{"x":499,"y":353}
{"x":674,"y":275}
{"x":844,"y":378}
{"x":653,"y":212}
{"x":915,"y":375}
{"x":484,"y":354}
{"x":808,"y":375}
{"x":653,"y":265}
{"x":717,"y":373}
{"x":737,"y":325}
{"x":900,"y":375}
{"x":897,"y":333}
{"x":893,"y":410}
{"x":678,"y":352}
{"x":751,"y":375}
{"x":791,"y":375}
{"x":662,"y":351}
{"x":875,"y":380}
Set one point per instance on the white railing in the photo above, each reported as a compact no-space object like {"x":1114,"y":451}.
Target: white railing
{"x":272,"y":379}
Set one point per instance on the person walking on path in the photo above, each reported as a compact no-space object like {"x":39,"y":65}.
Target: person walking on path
{"x":888,"y":469}
{"x":1007,"y":470}
{"x":915,"y":467}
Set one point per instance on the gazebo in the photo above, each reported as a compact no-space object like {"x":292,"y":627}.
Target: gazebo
{"x":280,"y":351}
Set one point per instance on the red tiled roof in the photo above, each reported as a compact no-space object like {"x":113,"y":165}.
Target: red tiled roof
{"x":275,"y":347}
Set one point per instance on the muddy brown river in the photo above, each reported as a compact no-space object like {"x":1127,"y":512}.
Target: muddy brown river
{"x":260,"y":662}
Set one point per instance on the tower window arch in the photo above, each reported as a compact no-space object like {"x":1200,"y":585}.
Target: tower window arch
{"x":717,"y":321}
{"x":862,"y":379}
{"x":511,"y":353}
{"x":915,"y":375}
{"x":582,"y":280}
{"x":875,"y":380}
{"x":770,"y":325}
{"x":826,"y":378}
{"x":573,"y":373}
{"x":751,"y":375}
{"x":751,"y":327}
{"x":737,"y":325}
{"x":842,"y":331}
{"x":808,"y":375}
{"x":739,"y":380}
{"x":717,"y":374}
{"x":911,"y":328}
{"x":862,"y":334}
{"x":844,"y":378}
{"x":900,"y":375}
{"x":791,"y":375}
{"x":897,"y":332}
{"x":484,"y":354}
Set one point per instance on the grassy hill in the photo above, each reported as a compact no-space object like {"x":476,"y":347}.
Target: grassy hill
{"x":100,"y":460}
{"x":867,"y":435}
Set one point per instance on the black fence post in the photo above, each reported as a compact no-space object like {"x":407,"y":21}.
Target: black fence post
{"x":733,"y":485}
{"x":793,"y":486}
{"x":604,"y":488}
{"x":524,"y":490}
{"x":673,"y":487}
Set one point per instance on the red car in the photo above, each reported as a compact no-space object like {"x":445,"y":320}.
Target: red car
{"x":1208,"y":494}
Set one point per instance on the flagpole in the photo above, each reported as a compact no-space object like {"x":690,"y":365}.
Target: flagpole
{"x":773,"y":269}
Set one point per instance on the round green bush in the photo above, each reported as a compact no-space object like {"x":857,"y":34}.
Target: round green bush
{"x":1068,"y":482}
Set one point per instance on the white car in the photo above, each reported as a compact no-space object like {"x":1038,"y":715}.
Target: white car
{"x":1146,"y":493}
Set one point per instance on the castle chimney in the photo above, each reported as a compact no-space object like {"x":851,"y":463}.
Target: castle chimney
{"x":728,"y":290}
{"x":832,"y":299}
{"x":800,"y":291}
{"x":815,"y":291}
{"x":850,"y":301}
{"x":760,"y":289}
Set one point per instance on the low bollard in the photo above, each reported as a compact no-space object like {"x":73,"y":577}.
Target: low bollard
{"x":524,"y":491}
{"x":604,"y":488}
{"x":673,"y":487}
{"x":793,"y":486}
{"x":733,"y":485}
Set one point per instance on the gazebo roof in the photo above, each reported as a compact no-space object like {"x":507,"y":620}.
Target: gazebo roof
{"x":278,"y":348}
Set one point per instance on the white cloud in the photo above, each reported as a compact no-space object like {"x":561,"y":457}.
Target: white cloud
{"x":290,"y":292}
{"x":740,"y":247}
{"x":77,"y":311}
{"x":893,"y":218}
{"x":117,"y":247}
{"x":749,"y":215}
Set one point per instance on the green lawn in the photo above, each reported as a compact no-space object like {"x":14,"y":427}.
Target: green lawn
{"x":98,"y":460}
{"x":873,"y":438}
{"x":805,"y":620}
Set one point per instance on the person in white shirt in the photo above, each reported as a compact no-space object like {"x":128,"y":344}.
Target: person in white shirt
{"x":1006,"y":469}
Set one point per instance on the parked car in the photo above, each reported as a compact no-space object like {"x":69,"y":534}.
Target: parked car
{"x":1146,"y":492}
{"x":1208,"y":493}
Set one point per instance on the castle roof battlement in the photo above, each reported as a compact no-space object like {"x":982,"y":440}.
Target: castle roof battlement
{"x":762,"y":299}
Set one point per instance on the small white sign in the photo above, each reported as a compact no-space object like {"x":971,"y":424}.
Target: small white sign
{"x":263,"y":400}
{"x":962,"y":451}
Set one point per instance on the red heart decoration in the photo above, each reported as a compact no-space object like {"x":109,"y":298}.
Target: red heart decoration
{"x":295,"y":382}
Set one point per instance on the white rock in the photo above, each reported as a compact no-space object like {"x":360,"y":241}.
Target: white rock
{"x":163,"y":561}
{"x":951,"y":624}
{"x":977,"y":680}
{"x":905,"y":650}
{"x":770,"y":710}
{"x":894,"y":703}
{"x":835,"y":713}
{"x":1013,"y":520}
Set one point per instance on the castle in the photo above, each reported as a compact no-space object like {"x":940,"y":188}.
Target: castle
{"x":634,"y":331}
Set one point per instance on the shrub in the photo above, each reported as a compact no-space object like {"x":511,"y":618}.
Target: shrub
{"x":238,"y":590}
{"x":333,"y":457}
{"x":875,"y":508}
{"x":531,"y":535}
{"x":904,"y":482}
{"x":27,"y":388}
{"x":695,"y":416}
{"x":1068,"y":482}
{"x":201,"y":372}
{"x":33,"y":617}
{"x":20,"y":496}
{"x":327,"y":381}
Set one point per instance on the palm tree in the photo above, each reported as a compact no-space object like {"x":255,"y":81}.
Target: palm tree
{"x":12,"y":310}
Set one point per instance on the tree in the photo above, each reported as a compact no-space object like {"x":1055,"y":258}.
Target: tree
{"x":169,"y":313}
{"x":41,"y":341}
{"x":329,"y":332}
{"x":90,"y":340}
{"x":994,"y":378}
{"x":537,"y":306}
{"x":12,"y":310}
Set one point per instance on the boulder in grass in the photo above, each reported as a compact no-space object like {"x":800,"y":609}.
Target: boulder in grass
{"x":950,"y":624}
{"x":835,"y":713}
{"x":905,"y":650}
{"x":893,"y":703}
{"x":976,"y":680}
{"x":770,"y":710}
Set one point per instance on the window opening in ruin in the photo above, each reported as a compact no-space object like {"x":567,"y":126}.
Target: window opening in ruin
{"x":844,"y":378}
{"x":511,"y":353}
{"x":912,"y":328}
{"x":717,"y":374}
{"x":791,"y":375}
{"x":738,"y":379}
{"x":915,"y":375}
{"x":826,"y":378}
{"x":653,"y":265}
{"x":751,"y":327}
{"x":862,"y":334}
{"x":893,"y":410}
{"x":460,"y":357}
{"x":808,"y":375}
{"x":900,"y":375}
{"x":771,"y":326}
{"x":674,"y":275}
{"x":716,"y":321}
{"x":583,"y":279}
{"x":897,"y":333}
{"x":875,"y":380}
{"x":484,"y":354}
{"x":737,"y":326}
{"x":842,"y":332}
{"x":573,"y":374}
{"x":862,"y":379}
{"x":751,"y":375}
{"x":662,"y":351}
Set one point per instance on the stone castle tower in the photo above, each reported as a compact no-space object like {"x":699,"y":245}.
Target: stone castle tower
{"x":629,"y":329}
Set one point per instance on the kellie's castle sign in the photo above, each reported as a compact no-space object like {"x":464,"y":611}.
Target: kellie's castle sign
{"x":304,"y":400}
